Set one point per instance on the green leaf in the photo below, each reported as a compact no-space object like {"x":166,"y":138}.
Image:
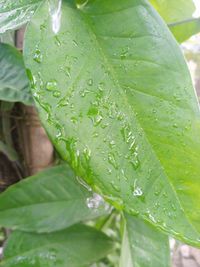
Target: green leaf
{"x":49,"y":201}
{"x":14,"y":84}
{"x":8,"y":151}
{"x":178,"y":16}
{"x":115,"y":95}
{"x":14,"y":14}
{"x":143,"y":245}
{"x":183,"y":30}
{"x":76,"y":246}
{"x":174,"y":11}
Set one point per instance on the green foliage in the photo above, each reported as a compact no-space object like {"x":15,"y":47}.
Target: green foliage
{"x":143,"y":246}
{"x":173,"y":11}
{"x":183,"y":30}
{"x":76,"y":246}
{"x":14,"y":14}
{"x":56,"y":201}
{"x":119,"y":105}
{"x":14,"y":84}
{"x":179,"y":17}
{"x":114,"y":93}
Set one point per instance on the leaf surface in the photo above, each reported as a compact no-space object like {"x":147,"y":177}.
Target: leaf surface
{"x":116,"y":98}
{"x":76,"y":246}
{"x":49,"y":201}
{"x":14,"y":14}
{"x":14,"y":84}
{"x":143,"y":245}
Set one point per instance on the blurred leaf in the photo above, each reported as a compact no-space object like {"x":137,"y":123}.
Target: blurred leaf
{"x":143,"y":245}
{"x":8,"y":38}
{"x":183,"y":30}
{"x":116,"y":97}
{"x":178,"y":16}
{"x":77,"y":246}
{"x":14,"y":84}
{"x":173,"y":11}
{"x":14,"y":14}
{"x":49,"y":201}
{"x":8,"y":151}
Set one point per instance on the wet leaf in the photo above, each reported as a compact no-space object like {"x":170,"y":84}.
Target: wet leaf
{"x":143,"y":245}
{"x":14,"y":14}
{"x":14,"y":84}
{"x":49,"y":201}
{"x":76,"y":246}
{"x":116,"y":98}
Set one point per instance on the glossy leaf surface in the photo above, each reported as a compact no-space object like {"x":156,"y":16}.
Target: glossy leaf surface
{"x":14,"y":14}
{"x":49,"y":201}
{"x":14,"y":84}
{"x":116,"y":97}
{"x":77,"y":246}
{"x":143,"y":245}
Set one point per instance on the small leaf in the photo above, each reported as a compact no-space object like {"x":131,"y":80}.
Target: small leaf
{"x":173,"y":11}
{"x":14,"y":84}
{"x":76,"y":246}
{"x":14,"y":14}
{"x":143,"y":245}
{"x":183,"y":30}
{"x":49,"y":201}
{"x":179,"y":17}
{"x":115,"y":95}
{"x":8,"y":151}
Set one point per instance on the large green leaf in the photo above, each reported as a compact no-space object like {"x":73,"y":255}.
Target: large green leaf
{"x":49,"y":201}
{"x":14,"y":84}
{"x":178,"y":16}
{"x":115,"y":95}
{"x":78,"y":246}
{"x":14,"y":14}
{"x":143,"y":245}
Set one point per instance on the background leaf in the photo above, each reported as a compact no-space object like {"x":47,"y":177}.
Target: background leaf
{"x":14,"y":84}
{"x":179,"y":17}
{"x":14,"y":14}
{"x":49,"y":201}
{"x":183,"y":30}
{"x":143,"y":245}
{"x":78,"y":246}
{"x":173,"y":11}
{"x":116,"y":98}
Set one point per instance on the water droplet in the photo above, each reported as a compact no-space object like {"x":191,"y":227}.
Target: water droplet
{"x":56,"y":94}
{"x":124,"y":53}
{"x":51,"y":85}
{"x":95,"y":202}
{"x":90,"y":82}
{"x":38,"y":56}
{"x":83,"y":183}
{"x":57,"y":41}
{"x":137,"y":192}
{"x":112,"y":160}
{"x":115,"y":186}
